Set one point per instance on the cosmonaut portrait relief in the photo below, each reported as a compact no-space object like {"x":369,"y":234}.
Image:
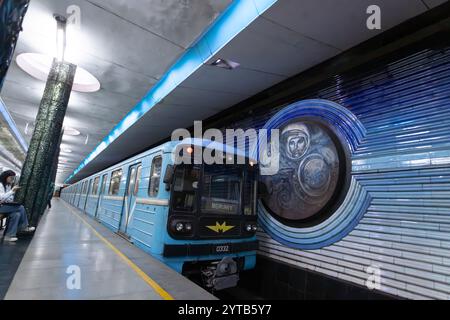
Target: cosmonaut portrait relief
{"x":308,"y":174}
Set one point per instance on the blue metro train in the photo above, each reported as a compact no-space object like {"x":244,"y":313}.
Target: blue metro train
{"x":196,"y":218}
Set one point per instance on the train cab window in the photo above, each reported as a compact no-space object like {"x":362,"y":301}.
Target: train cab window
{"x":95,"y":186}
{"x":155,"y":177}
{"x":185,"y":186}
{"x":221,"y":190}
{"x":138,"y":180}
{"x":115,"y":182}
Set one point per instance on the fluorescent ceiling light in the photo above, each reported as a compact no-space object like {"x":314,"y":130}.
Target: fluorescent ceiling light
{"x":71,"y":131}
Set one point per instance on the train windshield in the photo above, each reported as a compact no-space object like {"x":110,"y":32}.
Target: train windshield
{"x":221,"y":190}
{"x":225,"y":190}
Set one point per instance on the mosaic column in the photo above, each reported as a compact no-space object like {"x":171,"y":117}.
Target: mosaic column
{"x":44,"y":192}
{"x":11,"y":17}
{"x":41,"y":159}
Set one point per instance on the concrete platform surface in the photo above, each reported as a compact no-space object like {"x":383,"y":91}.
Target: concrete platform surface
{"x":74,"y":257}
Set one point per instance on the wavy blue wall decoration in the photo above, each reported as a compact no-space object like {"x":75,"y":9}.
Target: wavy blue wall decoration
{"x":402,"y":166}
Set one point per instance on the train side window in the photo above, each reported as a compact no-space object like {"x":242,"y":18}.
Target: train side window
{"x":115,"y":182}
{"x":84,"y":187}
{"x":155,"y":177}
{"x":138,"y":180}
{"x":95,"y":186}
{"x":132,"y":180}
{"x":102,"y":189}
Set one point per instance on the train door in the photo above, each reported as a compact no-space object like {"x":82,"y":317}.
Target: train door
{"x":100,"y":195}
{"x":78,"y":196}
{"x":80,"y":193}
{"x":75,"y":189}
{"x":134,"y":175}
{"x":89,"y":187}
{"x":73,"y":195}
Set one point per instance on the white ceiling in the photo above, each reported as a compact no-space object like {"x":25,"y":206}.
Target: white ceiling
{"x":290,"y":37}
{"x":136,"y":43}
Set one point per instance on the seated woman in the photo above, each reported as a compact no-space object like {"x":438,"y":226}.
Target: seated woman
{"x":15,"y":213}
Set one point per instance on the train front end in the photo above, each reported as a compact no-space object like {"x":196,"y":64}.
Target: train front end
{"x":212,"y":220}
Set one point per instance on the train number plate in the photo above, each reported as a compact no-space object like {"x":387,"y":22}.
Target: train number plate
{"x":223,"y":249}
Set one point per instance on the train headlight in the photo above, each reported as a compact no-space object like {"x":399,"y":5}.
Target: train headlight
{"x":251,"y":227}
{"x":179,"y":227}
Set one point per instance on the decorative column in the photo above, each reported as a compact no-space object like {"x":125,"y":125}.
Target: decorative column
{"x":11,"y":17}
{"x":44,"y":193}
{"x":38,"y":169}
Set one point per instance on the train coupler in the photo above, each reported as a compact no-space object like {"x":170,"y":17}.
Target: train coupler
{"x":221,"y":275}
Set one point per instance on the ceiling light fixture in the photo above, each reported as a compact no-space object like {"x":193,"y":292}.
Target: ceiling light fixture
{"x":38,"y":66}
{"x":225,"y":64}
{"x":71,"y":131}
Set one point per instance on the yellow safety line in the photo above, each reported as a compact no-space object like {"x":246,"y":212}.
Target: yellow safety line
{"x":152,"y":283}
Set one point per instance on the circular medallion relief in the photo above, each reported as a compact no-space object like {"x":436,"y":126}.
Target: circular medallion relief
{"x":312,"y":167}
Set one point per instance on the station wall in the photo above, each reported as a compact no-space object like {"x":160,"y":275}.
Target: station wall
{"x":401,"y":165}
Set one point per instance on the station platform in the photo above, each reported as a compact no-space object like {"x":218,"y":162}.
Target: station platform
{"x":67,"y":243}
